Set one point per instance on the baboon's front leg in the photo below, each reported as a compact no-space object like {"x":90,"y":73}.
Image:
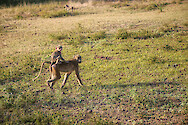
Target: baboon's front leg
{"x":65,"y":79}
{"x":78,"y":78}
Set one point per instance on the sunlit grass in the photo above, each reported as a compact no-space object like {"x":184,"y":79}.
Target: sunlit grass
{"x":132,"y":73}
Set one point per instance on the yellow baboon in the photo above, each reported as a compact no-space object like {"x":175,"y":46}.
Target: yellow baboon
{"x":68,"y":68}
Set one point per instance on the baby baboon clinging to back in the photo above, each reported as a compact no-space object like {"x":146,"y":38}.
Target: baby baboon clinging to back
{"x":55,"y":55}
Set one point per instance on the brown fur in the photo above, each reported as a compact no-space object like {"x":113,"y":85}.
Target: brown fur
{"x":67,"y":67}
{"x":56,"y":54}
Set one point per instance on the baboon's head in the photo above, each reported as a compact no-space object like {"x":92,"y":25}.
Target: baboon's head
{"x":78,"y":58}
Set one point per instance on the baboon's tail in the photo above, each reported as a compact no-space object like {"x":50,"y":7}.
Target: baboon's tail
{"x":41,"y":69}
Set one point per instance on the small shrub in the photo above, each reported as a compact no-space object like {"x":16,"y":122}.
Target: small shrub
{"x":142,"y":34}
{"x":1,"y":29}
{"x":151,"y":7}
{"x":58,"y":37}
{"x":78,"y":36}
{"x":19,"y":17}
{"x":167,"y":47}
{"x":122,"y":34}
{"x":168,"y":28}
{"x":98,"y":35}
{"x":76,"y":39}
{"x":60,"y":13}
{"x":54,"y":13}
{"x":156,"y":59}
{"x":118,"y":5}
{"x":177,"y":1}
{"x":145,"y":34}
{"x":186,"y":24}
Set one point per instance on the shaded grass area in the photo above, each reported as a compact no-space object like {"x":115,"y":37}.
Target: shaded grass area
{"x":18,"y":2}
{"x":143,"y":103}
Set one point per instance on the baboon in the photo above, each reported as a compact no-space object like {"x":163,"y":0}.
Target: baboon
{"x":68,"y":68}
{"x":55,"y":55}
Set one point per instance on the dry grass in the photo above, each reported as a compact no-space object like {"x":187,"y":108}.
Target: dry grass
{"x":32,"y":32}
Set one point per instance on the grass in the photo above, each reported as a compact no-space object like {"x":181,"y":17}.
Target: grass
{"x":46,"y":10}
{"x":134,"y":66}
{"x":145,"y":34}
{"x":101,"y":104}
{"x":147,"y":6}
{"x":79,"y":35}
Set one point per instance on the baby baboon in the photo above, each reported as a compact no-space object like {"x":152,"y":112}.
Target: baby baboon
{"x":55,"y":55}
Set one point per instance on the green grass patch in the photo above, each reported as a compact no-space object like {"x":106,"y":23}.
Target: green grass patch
{"x":79,"y":35}
{"x":97,"y":35}
{"x":145,"y":34}
{"x":16,"y":68}
{"x":75,"y":37}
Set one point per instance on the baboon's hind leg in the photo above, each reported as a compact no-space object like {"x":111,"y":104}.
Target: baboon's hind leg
{"x":50,"y":69}
{"x":53,"y":79}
